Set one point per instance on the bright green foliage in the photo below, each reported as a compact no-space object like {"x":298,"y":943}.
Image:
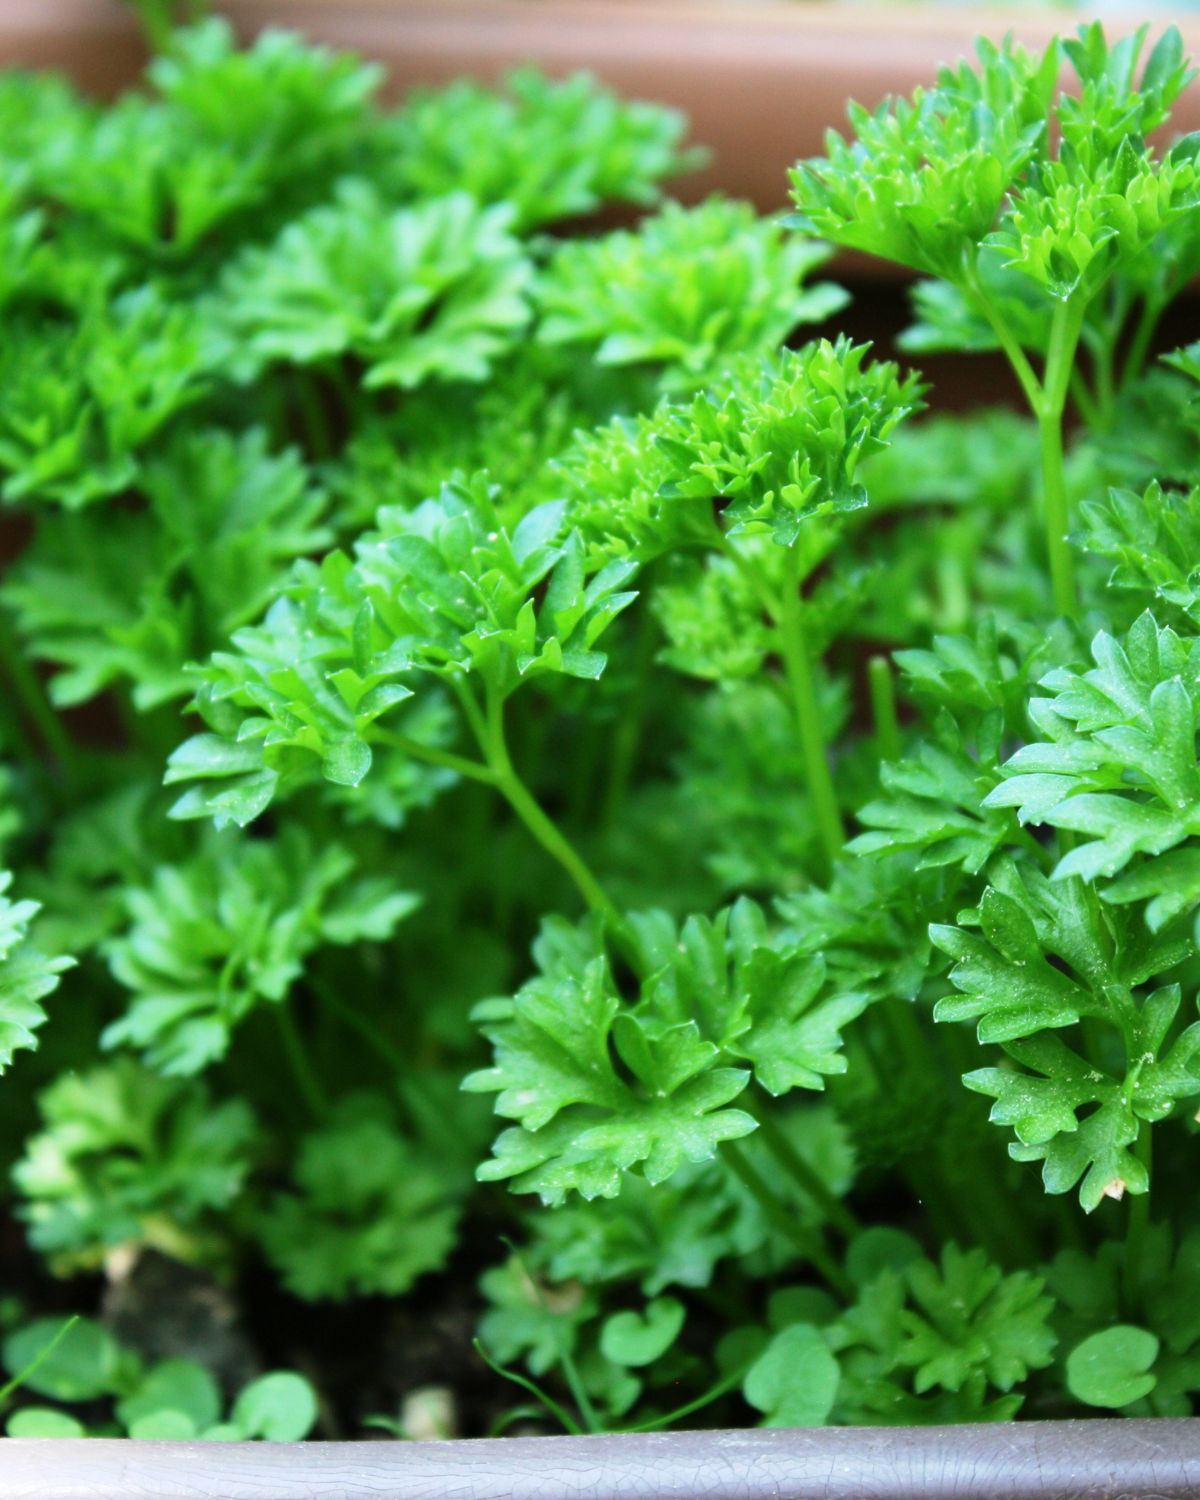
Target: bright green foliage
{"x":630,"y":1338}
{"x":134,"y":600}
{"x":309,"y":437}
{"x":715,"y":993}
{"x":927,"y":1342}
{"x":371,"y":1213}
{"x":79,"y":405}
{"x":171,"y":1398}
{"x":550,"y":149}
{"x":206,"y":942}
{"x":794,"y":1380}
{"x":337,"y":653}
{"x":1152,"y":541}
{"x":288,"y":111}
{"x":431,"y":292}
{"x":937,"y":804}
{"x":968,"y":1318}
{"x":785,"y":446}
{"x":26,"y":976}
{"x":1103,"y":966}
{"x":922,"y":182}
{"x":1117,"y":761}
{"x":739,"y":292}
{"x":125,"y":1155}
{"x":1110,"y":1369}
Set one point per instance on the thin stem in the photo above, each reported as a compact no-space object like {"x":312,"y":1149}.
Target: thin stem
{"x":38,"y":1360}
{"x":472,"y":711}
{"x":1054,"y":485}
{"x":317,"y":426}
{"x":784,"y":1219}
{"x":432,"y":755}
{"x":1085,"y":403}
{"x":1139,"y":1224}
{"x":540,"y":824}
{"x":1105,"y":381}
{"x":1060,"y":362}
{"x":569,"y":1423}
{"x":882,"y":687}
{"x":786,"y":1154}
{"x":299,"y":1061}
{"x":1017,"y":357}
{"x":1139,"y":346}
{"x":627,"y":739}
{"x":32,"y":699}
{"x":373,"y":1035}
{"x":793,"y":644}
{"x":575,"y":1385}
{"x":723,"y":1386}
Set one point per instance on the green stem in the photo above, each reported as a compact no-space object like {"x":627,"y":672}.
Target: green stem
{"x":1139,"y":346}
{"x":1085,"y":403}
{"x":1060,"y":362}
{"x":30,"y":695}
{"x":627,"y":740}
{"x":1139,"y":1224}
{"x":432,"y":755}
{"x":785,"y":1152}
{"x":1105,"y":381}
{"x":38,"y":1360}
{"x":317,"y":427}
{"x":784,"y":1219}
{"x":540,"y":824}
{"x":374,"y":1036}
{"x":882,"y":687}
{"x":569,"y":1423}
{"x":723,"y":1386}
{"x":575,"y":1385}
{"x":1017,"y":357}
{"x":793,"y":644}
{"x":299,"y":1062}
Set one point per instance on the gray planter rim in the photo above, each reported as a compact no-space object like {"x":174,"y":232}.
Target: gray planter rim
{"x":1104,"y":1459}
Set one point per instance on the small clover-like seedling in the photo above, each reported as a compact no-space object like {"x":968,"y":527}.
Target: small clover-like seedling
{"x":176,"y":1399}
{"x":1113,"y":1368}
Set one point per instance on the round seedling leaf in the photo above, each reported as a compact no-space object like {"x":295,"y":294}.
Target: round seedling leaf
{"x":165,"y":1425}
{"x":279,"y":1407}
{"x":1112,"y":1368}
{"x":44,"y":1422}
{"x":795,"y":1379}
{"x":630,"y":1338}
{"x":800,"y":1304}
{"x":83,"y":1364}
{"x":175,"y":1385}
{"x":877,"y":1250}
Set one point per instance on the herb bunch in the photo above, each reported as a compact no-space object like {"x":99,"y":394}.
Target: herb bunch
{"x":530,"y":593}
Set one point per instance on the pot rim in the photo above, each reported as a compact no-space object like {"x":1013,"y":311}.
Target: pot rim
{"x":1103,"y":1459}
